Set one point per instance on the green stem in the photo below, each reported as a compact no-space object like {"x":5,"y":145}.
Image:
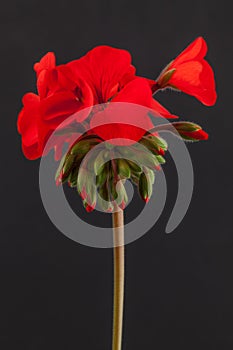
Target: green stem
{"x":119,"y":271}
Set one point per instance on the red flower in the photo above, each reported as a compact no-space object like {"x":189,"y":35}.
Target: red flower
{"x":60,"y":95}
{"x":191,"y":73}
{"x":112,"y":77}
{"x":104,"y":74}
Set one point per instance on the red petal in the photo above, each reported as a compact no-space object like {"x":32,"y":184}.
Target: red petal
{"x":47,"y":62}
{"x":42,"y":83}
{"x":28,"y":118}
{"x":103,"y":68}
{"x":31,"y":152}
{"x":195,"y":51}
{"x":61,"y":104}
{"x":128,"y":119}
{"x":196,"y":78}
{"x":27,"y":126}
{"x":137,"y":91}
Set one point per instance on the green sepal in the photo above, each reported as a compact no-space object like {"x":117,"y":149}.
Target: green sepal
{"x":166,"y":77}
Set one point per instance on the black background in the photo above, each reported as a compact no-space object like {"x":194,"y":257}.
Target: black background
{"x":57,"y":294}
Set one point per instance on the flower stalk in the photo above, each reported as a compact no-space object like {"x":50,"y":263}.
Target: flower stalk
{"x":119,"y":278}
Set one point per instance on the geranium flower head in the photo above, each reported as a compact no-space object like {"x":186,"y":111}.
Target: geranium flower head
{"x":99,"y":99}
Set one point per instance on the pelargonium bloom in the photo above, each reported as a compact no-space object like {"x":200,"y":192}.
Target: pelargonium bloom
{"x":100,"y":98}
{"x":190,"y":73}
{"x":104,"y":74}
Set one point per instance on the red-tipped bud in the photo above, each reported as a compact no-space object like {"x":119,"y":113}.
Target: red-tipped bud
{"x":122,"y":205}
{"x":190,"y":131}
{"x":161,"y":152}
{"x":145,"y":187}
{"x":90,"y":208}
{"x":83,"y":193}
{"x":59,"y":179}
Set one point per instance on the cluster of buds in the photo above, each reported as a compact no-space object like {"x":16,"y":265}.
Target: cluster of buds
{"x":100,"y":175}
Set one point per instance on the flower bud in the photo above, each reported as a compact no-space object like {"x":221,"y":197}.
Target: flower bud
{"x":89,"y":208}
{"x":100,"y":162}
{"x":101,"y":177}
{"x":67,"y":166}
{"x":190,"y":131}
{"x":145,"y":187}
{"x":123,"y":168}
{"x":155,"y":144}
{"x":134,"y":167}
{"x":72,"y":179}
{"x":121,"y":194}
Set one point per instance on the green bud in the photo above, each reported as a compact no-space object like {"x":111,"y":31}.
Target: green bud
{"x":72,"y":179}
{"x":91,"y":193}
{"x":145,"y":187}
{"x":82,"y":179}
{"x":123,"y":168}
{"x":186,"y":126}
{"x":80,"y":148}
{"x":142,"y":157}
{"x":148,"y":159}
{"x":150,"y":174}
{"x":135,"y":178}
{"x":102,"y":176}
{"x":159,"y":141}
{"x":104,"y":191}
{"x":121,"y":193}
{"x":68,"y":165}
{"x":99,"y":163}
{"x":154,"y":143}
{"x":59,"y":169}
{"x":160,"y":159}
{"x":134,"y":166}
{"x":105,"y":205}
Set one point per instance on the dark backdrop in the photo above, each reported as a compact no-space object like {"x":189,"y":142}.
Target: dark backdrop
{"x":57,"y":294}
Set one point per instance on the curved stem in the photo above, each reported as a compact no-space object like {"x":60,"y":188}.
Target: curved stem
{"x":119,"y":271}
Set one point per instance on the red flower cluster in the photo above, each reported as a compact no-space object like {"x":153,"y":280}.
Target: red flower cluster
{"x":105,"y":74}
